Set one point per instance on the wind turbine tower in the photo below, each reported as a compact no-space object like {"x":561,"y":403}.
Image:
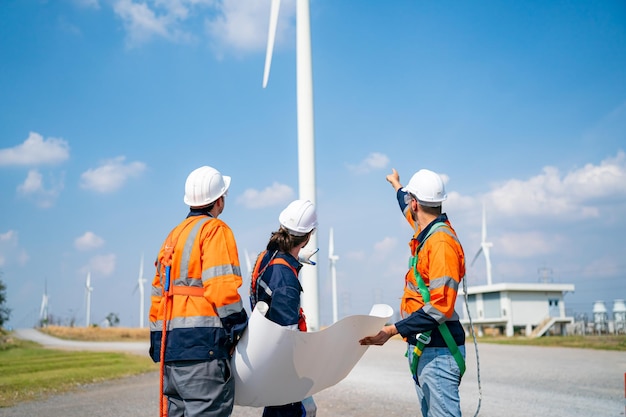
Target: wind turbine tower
{"x":140,"y":284}
{"x":88,"y":290}
{"x":306,"y":141}
{"x":247,"y":280}
{"x":248,"y":265}
{"x":332,"y":258}
{"x":484,"y":248}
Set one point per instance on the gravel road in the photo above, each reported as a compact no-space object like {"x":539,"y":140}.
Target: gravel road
{"x":516,"y":381}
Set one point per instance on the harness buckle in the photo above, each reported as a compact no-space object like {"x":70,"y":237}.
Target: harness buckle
{"x":424,"y":338}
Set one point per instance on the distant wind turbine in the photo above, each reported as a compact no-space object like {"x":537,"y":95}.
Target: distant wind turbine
{"x":88,"y":290}
{"x":140,"y":285}
{"x":484,"y":248}
{"x":248,"y":263}
{"x":43,"y":311}
{"x":248,"y":278}
{"x":332,"y":258}
{"x":306,"y":141}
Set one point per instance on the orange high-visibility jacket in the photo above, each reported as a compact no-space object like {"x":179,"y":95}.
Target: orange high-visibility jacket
{"x":441,"y":264}
{"x":205,"y":314}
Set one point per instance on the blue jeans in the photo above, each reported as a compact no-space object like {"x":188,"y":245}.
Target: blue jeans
{"x":438,"y":378}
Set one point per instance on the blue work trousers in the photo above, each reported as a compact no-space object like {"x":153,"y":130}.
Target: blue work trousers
{"x":199,"y":388}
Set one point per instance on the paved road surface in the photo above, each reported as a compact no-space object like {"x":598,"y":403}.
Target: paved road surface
{"x":517,"y":381}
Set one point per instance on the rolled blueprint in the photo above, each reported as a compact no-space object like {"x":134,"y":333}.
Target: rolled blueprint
{"x":274,"y":365}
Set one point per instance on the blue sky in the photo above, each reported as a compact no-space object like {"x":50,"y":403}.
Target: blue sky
{"x":107,"y":105}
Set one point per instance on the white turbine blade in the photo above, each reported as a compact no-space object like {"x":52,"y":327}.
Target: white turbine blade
{"x":271,"y":37}
{"x":331,"y":245}
{"x":140,"y":279}
{"x":43,"y":307}
{"x":477,"y":255}
{"x":484,"y":228}
{"x":248,"y":262}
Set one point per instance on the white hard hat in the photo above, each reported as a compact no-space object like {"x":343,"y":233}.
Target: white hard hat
{"x":299,"y":218}
{"x":428,"y":187}
{"x":205,"y":185}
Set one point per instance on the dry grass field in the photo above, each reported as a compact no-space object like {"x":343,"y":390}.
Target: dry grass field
{"x":99,"y":334}
{"x":130,"y":334}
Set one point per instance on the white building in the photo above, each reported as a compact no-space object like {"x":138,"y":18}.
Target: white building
{"x":533,"y":308}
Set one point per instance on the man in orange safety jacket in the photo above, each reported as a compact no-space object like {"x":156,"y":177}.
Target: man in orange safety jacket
{"x":195,"y":298}
{"x":431,"y":327}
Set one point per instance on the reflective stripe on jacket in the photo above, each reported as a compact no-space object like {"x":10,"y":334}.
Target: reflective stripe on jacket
{"x":441,"y":263}
{"x":205,"y":315}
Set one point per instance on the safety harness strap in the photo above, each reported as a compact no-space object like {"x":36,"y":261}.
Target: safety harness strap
{"x":258,"y":274}
{"x":424,"y":338}
{"x":281,"y":261}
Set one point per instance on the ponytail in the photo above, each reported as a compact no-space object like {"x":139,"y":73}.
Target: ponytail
{"x":283,"y":241}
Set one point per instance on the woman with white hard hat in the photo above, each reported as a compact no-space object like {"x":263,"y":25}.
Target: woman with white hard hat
{"x":275,"y":280}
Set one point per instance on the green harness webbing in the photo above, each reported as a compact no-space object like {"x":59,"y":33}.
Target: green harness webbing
{"x":424,"y":338}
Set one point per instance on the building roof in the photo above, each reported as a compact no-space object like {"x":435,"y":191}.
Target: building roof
{"x":519,"y":287}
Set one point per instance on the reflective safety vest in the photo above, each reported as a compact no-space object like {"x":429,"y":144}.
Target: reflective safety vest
{"x":255,"y":284}
{"x":198,"y":300}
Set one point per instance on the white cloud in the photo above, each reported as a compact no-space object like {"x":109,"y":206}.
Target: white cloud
{"x":233,"y":26}
{"x":598,"y":182}
{"x":10,"y":249}
{"x":529,"y":244}
{"x":88,"y":241}
{"x":36,"y":151}
{"x":164,"y":19}
{"x":140,"y":22}
{"x":111,"y":175}
{"x":10,"y":236}
{"x":385,"y":246}
{"x":102,"y":265}
{"x":242,"y":26}
{"x":274,"y":195}
{"x":574,"y":195}
{"x":32,"y":184}
{"x":33,"y":187}
{"x":373,"y":161}
{"x":459,"y":202}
